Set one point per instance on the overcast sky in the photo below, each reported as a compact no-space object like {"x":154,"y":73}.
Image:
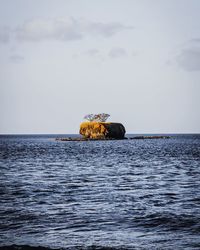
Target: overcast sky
{"x":138,"y":60}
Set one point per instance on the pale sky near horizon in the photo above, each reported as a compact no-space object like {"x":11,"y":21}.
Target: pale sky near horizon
{"x":137,"y":60}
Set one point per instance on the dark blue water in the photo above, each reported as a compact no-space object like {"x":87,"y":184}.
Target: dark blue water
{"x":128,"y":194}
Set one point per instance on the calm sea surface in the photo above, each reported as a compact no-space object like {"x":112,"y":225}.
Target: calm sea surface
{"x":129,"y":194}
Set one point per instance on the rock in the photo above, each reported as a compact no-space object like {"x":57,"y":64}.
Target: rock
{"x":102,"y":130}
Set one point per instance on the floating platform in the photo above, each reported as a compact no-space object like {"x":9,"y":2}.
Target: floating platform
{"x":150,"y":137}
{"x":112,"y":139}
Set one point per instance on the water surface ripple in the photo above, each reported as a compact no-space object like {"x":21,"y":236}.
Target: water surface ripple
{"x":129,"y":194}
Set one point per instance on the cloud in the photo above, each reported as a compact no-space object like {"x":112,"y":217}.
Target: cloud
{"x":66,"y":29}
{"x":41,"y":29}
{"x":106,"y":29}
{"x":117,"y":52}
{"x":16,"y":58}
{"x":189,"y":59}
{"x":4,"y":34}
{"x":92,"y":52}
{"x":196,"y":40}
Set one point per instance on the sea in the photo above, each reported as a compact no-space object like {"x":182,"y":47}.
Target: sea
{"x":119,"y":194}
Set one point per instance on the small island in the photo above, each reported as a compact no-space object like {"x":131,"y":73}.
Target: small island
{"x":96,"y":128}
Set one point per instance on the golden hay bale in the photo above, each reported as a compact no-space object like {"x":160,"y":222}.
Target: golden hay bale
{"x":102,"y":130}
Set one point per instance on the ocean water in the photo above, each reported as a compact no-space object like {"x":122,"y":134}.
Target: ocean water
{"x":126,"y":194}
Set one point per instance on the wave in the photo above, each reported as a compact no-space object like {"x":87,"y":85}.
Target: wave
{"x":28,"y":247}
{"x":172,"y":222}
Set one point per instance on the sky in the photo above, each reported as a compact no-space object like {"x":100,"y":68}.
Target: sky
{"x":137,"y":60}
